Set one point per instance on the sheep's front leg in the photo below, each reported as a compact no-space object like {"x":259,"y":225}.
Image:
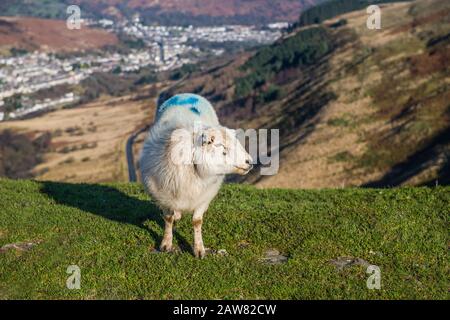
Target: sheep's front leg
{"x":197,"y":222}
{"x":166,"y":244}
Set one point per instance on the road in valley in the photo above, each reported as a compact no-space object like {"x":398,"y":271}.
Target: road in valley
{"x":132,"y":175}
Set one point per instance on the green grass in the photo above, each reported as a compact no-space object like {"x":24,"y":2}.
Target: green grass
{"x":339,"y":122}
{"x":109,"y":231}
{"x":343,"y":156}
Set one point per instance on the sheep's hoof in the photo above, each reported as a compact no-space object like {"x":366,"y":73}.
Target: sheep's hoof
{"x":166,"y":247}
{"x":200,"y":253}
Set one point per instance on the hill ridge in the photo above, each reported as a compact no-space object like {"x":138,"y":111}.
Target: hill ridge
{"x":172,"y":12}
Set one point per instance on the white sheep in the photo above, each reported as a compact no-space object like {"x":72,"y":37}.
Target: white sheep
{"x":185,"y":159}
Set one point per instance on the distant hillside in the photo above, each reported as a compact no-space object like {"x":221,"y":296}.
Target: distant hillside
{"x":355,"y":106}
{"x":174,"y":12}
{"x":50,"y":35}
{"x":332,"y":8}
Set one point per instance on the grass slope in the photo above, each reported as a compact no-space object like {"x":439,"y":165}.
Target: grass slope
{"x":109,"y":231}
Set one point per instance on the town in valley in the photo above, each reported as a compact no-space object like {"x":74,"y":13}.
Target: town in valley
{"x":155,"y":47}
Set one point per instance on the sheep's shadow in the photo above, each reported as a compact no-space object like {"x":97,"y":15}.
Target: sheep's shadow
{"x":112,"y":204}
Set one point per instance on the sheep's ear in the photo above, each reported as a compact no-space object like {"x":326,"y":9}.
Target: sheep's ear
{"x":207,"y":138}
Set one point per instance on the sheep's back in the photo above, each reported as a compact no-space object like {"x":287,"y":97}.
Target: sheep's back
{"x":187,"y":108}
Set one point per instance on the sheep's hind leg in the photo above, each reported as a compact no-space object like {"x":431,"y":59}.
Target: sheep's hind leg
{"x":166,"y":244}
{"x":197,"y":222}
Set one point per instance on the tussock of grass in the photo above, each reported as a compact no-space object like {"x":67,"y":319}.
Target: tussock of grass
{"x":109,"y":231}
{"x":343,"y":156}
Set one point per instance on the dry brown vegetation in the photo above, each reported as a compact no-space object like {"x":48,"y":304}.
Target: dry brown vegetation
{"x":50,"y":35}
{"x":20,"y":153}
{"x":286,"y":10}
{"x":88,"y":143}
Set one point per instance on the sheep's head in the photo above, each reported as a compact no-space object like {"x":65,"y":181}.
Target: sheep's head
{"x":212,"y":150}
{"x":218,"y":151}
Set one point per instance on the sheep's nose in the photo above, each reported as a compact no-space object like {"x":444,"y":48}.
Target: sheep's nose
{"x":247,"y":161}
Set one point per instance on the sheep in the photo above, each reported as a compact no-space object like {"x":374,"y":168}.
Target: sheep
{"x":184,"y":161}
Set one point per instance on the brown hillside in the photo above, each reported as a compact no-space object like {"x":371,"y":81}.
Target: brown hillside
{"x":50,"y":35}
{"x":284,"y":10}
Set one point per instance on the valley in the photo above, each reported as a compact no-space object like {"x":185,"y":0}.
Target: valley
{"x":88,"y":142}
{"x":355,"y":107}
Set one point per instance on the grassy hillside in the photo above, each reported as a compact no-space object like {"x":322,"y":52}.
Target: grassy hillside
{"x":355,"y":107}
{"x":110,"y":232}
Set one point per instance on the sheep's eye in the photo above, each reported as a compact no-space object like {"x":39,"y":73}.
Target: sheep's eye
{"x":222,"y":146}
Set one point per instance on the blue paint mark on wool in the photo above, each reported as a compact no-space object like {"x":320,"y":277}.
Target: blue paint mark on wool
{"x":189,"y":107}
{"x":195,"y":110}
{"x":196,"y":104}
{"x":181,"y":101}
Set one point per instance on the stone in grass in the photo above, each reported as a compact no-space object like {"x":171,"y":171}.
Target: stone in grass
{"x":344,"y":262}
{"x":19,"y":246}
{"x":243,"y":244}
{"x":273,"y":257}
{"x":220,"y":252}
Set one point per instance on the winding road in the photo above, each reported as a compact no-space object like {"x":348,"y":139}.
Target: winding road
{"x":132,"y":176}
